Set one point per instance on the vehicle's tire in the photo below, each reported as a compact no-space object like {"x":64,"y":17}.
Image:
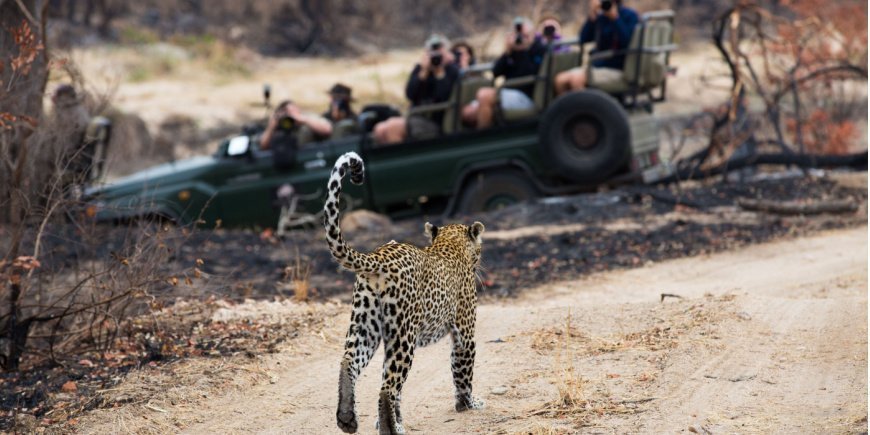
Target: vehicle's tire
{"x":489,"y":191}
{"x":585,"y":136}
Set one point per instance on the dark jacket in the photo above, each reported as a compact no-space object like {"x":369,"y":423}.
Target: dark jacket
{"x":521,"y":64}
{"x":431,"y":90}
{"x":610,"y":35}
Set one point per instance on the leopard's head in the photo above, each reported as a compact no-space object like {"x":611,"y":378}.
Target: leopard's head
{"x":465,"y":237}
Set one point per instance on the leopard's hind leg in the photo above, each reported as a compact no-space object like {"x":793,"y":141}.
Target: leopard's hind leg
{"x":462,"y":357}
{"x":399,"y":343}
{"x":363,"y":338}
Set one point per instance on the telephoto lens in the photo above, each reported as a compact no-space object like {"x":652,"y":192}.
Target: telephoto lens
{"x":549,"y":31}
{"x":286,"y":123}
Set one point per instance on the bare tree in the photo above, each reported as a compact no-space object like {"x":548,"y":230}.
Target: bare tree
{"x":778,"y":59}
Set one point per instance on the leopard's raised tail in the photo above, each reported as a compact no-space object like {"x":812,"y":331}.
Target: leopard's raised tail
{"x":346,"y":256}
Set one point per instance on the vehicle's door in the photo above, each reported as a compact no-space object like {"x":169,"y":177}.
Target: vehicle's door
{"x":249,"y":194}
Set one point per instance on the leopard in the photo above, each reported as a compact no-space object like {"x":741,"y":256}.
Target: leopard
{"x":405,"y":297}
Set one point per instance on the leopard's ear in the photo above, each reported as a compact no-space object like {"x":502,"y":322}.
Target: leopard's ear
{"x":475,"y":230}
{"x":430,"y":230}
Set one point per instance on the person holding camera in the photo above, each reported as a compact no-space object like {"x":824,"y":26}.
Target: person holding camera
{"x":610,"y":26}
{"x":430,"y":82}
{"x":551,"y":33}
{"x":463,"y":54}
{"x":288,"y":117}
{"x":522,"y":57}
{"x":339,"y":104}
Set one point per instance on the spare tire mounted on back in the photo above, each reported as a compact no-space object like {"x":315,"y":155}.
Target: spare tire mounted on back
{"x":585,"y":136}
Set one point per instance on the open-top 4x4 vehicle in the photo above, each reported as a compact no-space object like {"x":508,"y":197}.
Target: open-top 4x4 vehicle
{"x":566,"y":144}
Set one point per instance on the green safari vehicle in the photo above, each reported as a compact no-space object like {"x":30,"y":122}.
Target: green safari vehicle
{"x":565,"y":145}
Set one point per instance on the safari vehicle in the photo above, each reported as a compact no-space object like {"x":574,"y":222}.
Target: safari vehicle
{"x":564,"y":145}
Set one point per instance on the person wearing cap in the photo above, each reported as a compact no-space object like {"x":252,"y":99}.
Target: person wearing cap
{"x":550,"y":32}
{"x":339,"y":106}
{"x":308,"y":126}
{"x":610,"y":26}
{"x":430,"y":82}
{"x":522,"y":57}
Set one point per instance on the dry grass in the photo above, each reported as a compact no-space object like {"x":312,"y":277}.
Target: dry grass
{"x":674,"y":322}
{"x":299,"y":275}
{"x":581,"y":400}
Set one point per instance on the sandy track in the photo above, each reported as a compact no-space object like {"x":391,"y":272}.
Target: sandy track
{"x":770,"y":338}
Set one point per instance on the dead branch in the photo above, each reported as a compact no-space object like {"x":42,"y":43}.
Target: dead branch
{"x":790,"y":208}
{"x":669,"y":295}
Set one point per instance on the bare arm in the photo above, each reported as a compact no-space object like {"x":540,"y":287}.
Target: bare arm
{"x":266,"y":137}
{"x":317,"y":124}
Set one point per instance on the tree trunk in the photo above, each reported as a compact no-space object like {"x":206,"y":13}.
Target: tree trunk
{"x":21,"y":93}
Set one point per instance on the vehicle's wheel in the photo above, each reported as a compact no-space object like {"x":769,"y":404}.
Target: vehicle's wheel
{"x":585,"y":136}
{"x":489,"y":191}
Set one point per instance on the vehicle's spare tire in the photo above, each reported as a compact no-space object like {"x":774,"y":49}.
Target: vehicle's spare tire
{"x":585,"y":136}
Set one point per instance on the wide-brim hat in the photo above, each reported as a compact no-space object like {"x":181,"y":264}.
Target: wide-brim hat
{"x":341,"y":90}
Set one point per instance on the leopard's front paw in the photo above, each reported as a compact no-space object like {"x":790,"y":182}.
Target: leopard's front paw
{"x":346,"y":421}
{"x":469,"y":402}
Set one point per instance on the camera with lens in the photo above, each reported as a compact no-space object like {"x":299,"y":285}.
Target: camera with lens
{"x":286,"y":123}
{"x":436,"y":58}
{"x":284,"y":141}
{"x":606,"y":5}
{"x":518,"y":27}
{"x":550,"y":31}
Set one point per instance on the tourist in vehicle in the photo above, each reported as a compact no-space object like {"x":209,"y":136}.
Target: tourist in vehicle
{"x":430,"y":82}
{"x":610,"y":26}
{"x":550,"y":32}
{"x":522,"y":57}
{"x":341,"y":97}
{"x":464,"y":55}
{"x":306,"y":126}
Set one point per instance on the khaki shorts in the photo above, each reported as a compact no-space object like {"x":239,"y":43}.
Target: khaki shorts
{"x":604,"y":76}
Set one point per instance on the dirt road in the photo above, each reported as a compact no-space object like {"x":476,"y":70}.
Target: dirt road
{"x":767,"y":339}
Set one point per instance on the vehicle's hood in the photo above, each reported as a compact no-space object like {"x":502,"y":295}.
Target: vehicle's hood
{"x":166,"y":173}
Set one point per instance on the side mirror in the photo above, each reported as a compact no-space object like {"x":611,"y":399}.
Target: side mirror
{"x":238,"y":146}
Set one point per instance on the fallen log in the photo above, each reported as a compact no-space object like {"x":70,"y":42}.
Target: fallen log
{"x":798,"y":208}
{"x":857,"y":161}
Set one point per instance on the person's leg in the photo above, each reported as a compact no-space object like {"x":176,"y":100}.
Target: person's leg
{"x":390,"y":131}
{"x":562,"y":82}
{"x":578,"y":80}
{"x":571,"y":80}
{"x":469,"y":114}
{"x":380,"y":131}
{"x":486,"y":100}
{"x":397,"y":130}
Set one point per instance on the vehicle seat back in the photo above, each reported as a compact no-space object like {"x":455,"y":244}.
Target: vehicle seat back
{"x":552,"y":65}
{"x":345,"y":128}
{"x":465,"y":92}
{"x":649,"y":69}
{"x":305,"y":135}
{"x":652,"y":65}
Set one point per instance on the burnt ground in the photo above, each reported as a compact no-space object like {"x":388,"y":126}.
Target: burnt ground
{"x":525,"y":245}
{"x":567,"y":237}
{"x":562,"y":238}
